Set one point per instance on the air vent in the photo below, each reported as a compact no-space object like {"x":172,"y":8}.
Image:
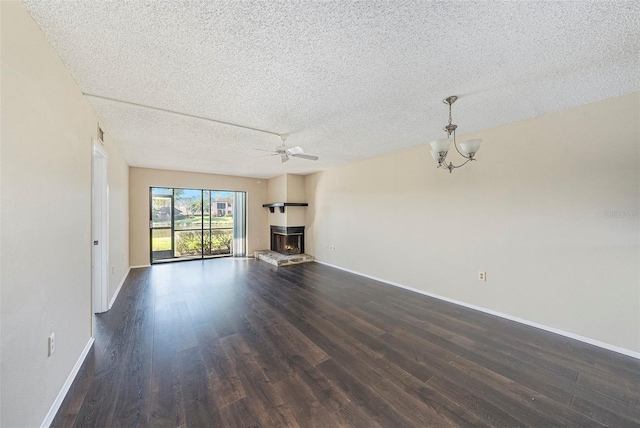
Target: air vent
{"x":100,"y":134}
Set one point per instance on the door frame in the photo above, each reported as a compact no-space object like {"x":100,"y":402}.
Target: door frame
{"x":99,"y":229}
{"x":202,"y":229}
{"x":151,"y":228}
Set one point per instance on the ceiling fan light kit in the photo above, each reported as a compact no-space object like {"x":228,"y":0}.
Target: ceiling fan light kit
{"x":440,"y":147}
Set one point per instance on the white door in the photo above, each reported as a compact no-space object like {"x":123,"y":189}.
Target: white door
{"x":100,"y":199}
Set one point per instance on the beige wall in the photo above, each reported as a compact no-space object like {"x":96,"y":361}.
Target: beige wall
{"x":118,"y":177}
{"x":287,"y":188}
{"x":141,"y":179}
{"x":277,"y":192}
{"x":45,"y":171}
{"x":533,"y":212}
{"x":296,"y":216}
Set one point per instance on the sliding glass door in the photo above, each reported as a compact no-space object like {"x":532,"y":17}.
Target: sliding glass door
{"x":187,"y":223}
{"x":161,"y":224}
{"x":218,"y":223}
{"x":195,"y":223}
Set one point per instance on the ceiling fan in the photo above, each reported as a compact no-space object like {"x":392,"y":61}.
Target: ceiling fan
{"x":284,"y":152}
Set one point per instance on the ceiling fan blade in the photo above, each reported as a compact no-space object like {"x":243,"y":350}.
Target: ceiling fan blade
{"x":295,"y":150}
{"x":264,"y":156}
{"x":309,"y":157}
{"x":284,"y":157}
{"x":262,"y":150}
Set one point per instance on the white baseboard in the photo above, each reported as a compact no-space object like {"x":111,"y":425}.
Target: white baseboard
{"x":65,"y":388}
{"x":115,"y":295}
{"x":584,"y":339}
{"x":140,"y":266}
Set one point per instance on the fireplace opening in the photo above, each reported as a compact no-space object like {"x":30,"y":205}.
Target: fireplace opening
{"x":287,"y":240}
{"x":288,"y":244}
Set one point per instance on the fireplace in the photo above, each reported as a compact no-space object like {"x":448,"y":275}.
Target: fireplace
{"x":287,"y":240}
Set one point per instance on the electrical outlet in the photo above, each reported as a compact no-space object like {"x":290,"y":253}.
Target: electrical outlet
{"x":52,"y":343}
{"x":482,"y":276}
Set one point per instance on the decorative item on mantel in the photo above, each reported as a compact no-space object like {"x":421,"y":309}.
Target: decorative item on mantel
{"x":281,"y":205}
{"x":440,"y":147}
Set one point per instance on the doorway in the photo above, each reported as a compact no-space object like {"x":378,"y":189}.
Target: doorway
{"x":189,"y":224}
{"x":100,"y":229}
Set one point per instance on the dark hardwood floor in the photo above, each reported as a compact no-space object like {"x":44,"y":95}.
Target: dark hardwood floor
{"x":239,"y":343}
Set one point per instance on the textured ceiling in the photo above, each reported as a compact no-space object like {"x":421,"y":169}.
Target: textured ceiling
{"x":346,"y":80}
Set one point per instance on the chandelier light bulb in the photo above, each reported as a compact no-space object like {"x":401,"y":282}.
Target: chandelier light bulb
{"x":441,"y":145}
{"x":470,"y":147}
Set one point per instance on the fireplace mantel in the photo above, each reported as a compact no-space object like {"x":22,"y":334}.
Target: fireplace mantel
{"x":281,"y":205}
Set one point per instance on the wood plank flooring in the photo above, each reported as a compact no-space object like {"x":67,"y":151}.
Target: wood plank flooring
{"x":240,"y":343}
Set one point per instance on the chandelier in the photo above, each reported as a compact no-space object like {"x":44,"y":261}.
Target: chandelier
{"x":440,"y":147}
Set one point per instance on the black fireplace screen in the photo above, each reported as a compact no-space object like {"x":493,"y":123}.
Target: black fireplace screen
{"x":287,"y":240}
{"x":288,"y":244}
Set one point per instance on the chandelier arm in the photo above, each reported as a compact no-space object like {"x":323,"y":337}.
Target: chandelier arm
{"x":455,"y":144}
{"x":450,"y":166}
